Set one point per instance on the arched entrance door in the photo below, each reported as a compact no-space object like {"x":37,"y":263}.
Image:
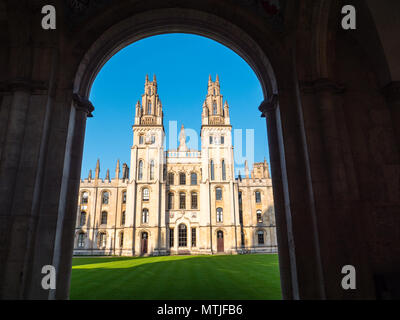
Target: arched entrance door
{"x":144,"y":242}
{"x":220,"y":241}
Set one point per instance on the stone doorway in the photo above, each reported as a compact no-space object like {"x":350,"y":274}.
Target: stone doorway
{"x":220,"y":241}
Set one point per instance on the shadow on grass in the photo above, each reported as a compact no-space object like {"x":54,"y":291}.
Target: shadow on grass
{"x":177,"y":277}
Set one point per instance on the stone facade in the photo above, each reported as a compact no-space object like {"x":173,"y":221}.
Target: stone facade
{"x":177,"y":201}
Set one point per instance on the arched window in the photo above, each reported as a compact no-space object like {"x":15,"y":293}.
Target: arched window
{"x":104,"y":217}
{"x":123,"y":218}
{"x":211,"y":139}
{"x":105,"y":197}
{"x":149,"y":108}
{"x":182,"y":200}
{"x":182,"y":178}
{"x":121,"y":239}
{"x":258,"y":197}
{"x":145,"y":216}
{"x":83,"y":218}
{"x":153,"y":139}
{"x":219,"y":215}
{"x":218,"y":194}
{"x":222,"y":139}
{"x":140,"y":171}
{"x":259,"y":216}
{"x":151,"y":169}
{"x":102,"y":240}
{"x":214,"y":108}
{"x":260,"y":237}
{"x":212,"y":169}
{"x":170,"y":200}
{"x":124,"y":197}
{"x":146,"y":194}
{"x":170,"y":178}
{"x":141,"y":139}
{"x":223,"y":170}
{"x":182,"y":235}
{"x":194,"y":242}
{"x":193,"y":178}
{"x":84,"y":197}
{"x":194,"y":200}
{"x":81,"y":240}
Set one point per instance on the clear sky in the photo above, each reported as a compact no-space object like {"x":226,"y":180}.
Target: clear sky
{"x":182,"y":64}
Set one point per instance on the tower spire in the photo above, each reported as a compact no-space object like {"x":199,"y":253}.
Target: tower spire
{"x":97,"y":172}
{"x":108,"y":175}
{"x":182,"y":140}
{"x":117,"y":170}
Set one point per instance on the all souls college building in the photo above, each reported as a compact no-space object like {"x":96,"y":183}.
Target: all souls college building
{"x":177,"y":201}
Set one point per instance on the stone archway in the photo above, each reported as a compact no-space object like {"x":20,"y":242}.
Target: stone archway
{"x":44,"y":106}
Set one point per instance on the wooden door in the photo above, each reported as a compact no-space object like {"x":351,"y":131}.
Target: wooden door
{"x":220,"y":241}
{"x":144,"y":242}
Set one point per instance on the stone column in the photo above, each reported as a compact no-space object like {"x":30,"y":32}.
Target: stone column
{"x":392,"y":95}
{"x":63,"y":244}
{"x":336,"y":205}
{"x":269,"y":110}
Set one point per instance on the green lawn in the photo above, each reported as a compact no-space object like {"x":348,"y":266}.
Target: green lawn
{"x":177,"y":277}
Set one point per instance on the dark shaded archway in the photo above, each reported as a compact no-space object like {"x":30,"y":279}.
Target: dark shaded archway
{"x":316,"y":157}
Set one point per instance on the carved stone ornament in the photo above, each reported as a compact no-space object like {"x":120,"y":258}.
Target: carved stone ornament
{"x":268,"y":106}
{"x":83,"y":104}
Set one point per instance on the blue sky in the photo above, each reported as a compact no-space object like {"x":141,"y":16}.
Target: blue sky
{"x":182,"y":64}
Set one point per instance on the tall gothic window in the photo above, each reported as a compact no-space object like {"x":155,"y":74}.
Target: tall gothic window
{"x":259,"y":216}
{"x":145,"y":216}
{"x":240,"y":207}
{"x":182,"y":178}
{"x":102,"y":240}
{"x":170,"y":178}
{"x":84,"y":197}
{"x":83,"y":218}
{"x":212,"y":169}
{"x":141,"y":139}
{"x":146,"y":194}
{"x":151,"y":169}
{"x":219,"y":215}
{"x":193,"y":237}
{"x":104,"y":217}
{"x":194,"y":200}
{"x":140,"y":171}
{"x":222,"y":139}
{"x":214,"y":108}
{"x":223,"y":170}
{"x":211,"y":139}
{"x":121,"y":239}
{"x":171,"y":237}
{"x":149,"y":108}
{"x":218,"y":194}
{"x":170,"y":201}
{"x":260,"y":236}
{"x":182,"y":200}
{"x":182,"y":235}
{"x":258,"y":197}
{"x":124,"y":197}
{"x":193,"y":178}
{"x":81,"y":240}
{"x":106,"y":197}
{"x":123,"y":218}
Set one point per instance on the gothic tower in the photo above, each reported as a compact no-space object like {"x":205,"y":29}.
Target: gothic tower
{"x":147,"y":160}
{"x":217,"y":160}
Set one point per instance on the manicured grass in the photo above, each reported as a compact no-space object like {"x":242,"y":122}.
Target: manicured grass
{"x":177,"y":277}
